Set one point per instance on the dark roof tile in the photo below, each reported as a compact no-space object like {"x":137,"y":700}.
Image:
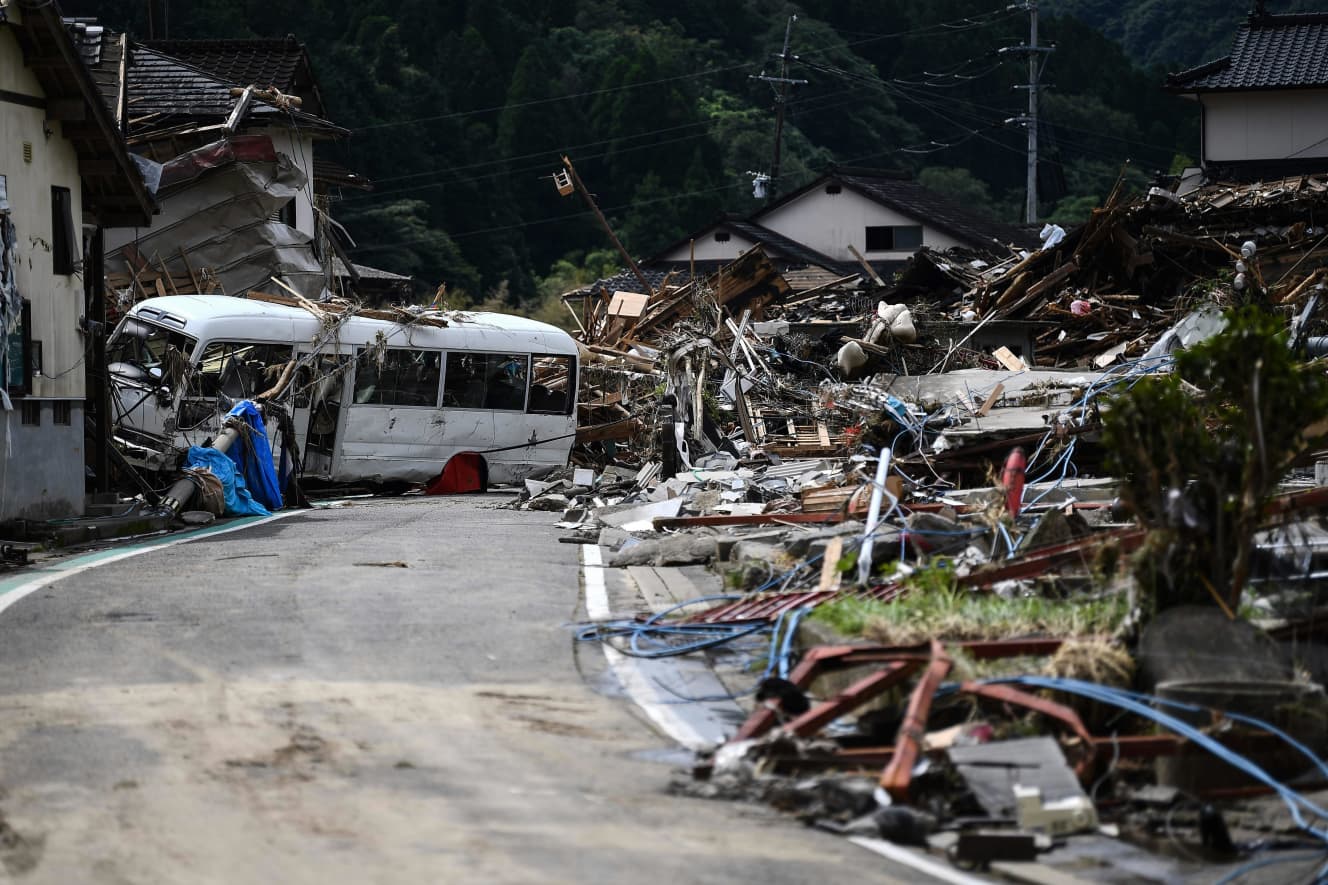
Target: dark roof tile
{"x":1269,"y":52}
{"x":166,"y":87}
{"x":282,"y":63}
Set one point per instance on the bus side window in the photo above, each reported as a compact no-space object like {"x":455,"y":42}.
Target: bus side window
{"x":463,"y":384}
{"x":506,"y":384}
{"x":551,"y":380}
{"x":486,"y":380}
{"x":404,"y":378}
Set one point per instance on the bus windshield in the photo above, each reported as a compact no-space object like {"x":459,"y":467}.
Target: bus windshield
{"x":141,"y":345}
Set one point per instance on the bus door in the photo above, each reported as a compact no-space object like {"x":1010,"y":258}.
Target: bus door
{"x":320,"y":388}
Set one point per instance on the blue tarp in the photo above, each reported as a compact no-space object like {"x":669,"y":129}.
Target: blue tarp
{"x":252,"y":454}
{"x":238,"y":500}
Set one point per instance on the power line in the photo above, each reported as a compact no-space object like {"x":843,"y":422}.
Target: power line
{"x":550,"y":220}
{"x":961,"y":24}
{"x":817,"y":104}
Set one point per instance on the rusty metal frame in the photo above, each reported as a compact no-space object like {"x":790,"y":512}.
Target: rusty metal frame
{"x":908,"y":743}
{"x":1011,"y":695}
{"x":824,"y":658}
{"x":856,"y":694}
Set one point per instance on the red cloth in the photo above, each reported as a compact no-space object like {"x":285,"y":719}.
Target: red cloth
{"x":463,"y":473}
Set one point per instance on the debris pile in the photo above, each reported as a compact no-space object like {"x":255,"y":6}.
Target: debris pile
{"x":906,"y":494}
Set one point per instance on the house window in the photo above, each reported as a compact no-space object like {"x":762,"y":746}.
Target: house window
{"x":31,"y":414}
{"x":722,"y":236}
{"x":62,"y":412}
{"x":64,"y":240}
{"x":894,"y":238}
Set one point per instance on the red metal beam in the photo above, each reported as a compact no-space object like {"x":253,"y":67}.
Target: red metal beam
{"x":850,"y":698}
{"x":1011,"y":695}
{"x":1039,"y":562}
{"x":908,"y":743}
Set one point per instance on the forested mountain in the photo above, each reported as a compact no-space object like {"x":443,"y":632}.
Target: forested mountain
{"x":461,"y":110}
{"x":1170,"y":34}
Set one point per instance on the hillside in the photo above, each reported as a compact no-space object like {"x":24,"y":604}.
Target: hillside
{"x":1167,"y":34}
{"x":461,"y":111}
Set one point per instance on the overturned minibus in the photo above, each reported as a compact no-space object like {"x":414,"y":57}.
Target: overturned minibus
{"x":367,"y":400}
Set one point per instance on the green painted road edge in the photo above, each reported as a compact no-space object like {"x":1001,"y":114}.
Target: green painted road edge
{"x":15,"y":588}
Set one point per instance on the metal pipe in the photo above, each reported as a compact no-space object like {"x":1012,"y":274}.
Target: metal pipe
{"x":873,"y":517}
{"x":183,"y":490}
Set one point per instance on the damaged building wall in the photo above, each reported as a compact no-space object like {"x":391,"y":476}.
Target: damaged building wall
{"x":221,"y":207}
{"x":299,"y":146}
{"x":42,"y":471}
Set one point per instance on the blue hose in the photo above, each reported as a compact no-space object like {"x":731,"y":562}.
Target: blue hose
{"x":1139,"y":705}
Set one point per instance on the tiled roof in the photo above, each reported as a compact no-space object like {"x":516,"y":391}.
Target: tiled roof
{"x":933,"y":209}
{"x":282,"y":63}
{"x":776,"y":244}
{"x":87,"y":37}
{"x":626,"y":281}
{"x":101,"y":50}
{"x":1269,"y":52}
{"x":259,"y":62}
{"x":162,"y":85}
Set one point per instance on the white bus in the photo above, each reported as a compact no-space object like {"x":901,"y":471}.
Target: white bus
{"x":372,"y":401}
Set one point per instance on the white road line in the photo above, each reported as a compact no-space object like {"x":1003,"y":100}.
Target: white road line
{"x":917,"y":861}
{"x":634,"y":683}
{"x":56,"y":572}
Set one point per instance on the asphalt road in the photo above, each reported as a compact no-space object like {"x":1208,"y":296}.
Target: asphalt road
{"x":385,"y":692}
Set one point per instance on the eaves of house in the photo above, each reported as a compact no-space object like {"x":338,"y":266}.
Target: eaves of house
{"x":113,"y":188}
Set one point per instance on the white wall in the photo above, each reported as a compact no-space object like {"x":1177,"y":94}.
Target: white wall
{"x":707,"y":249}
{"x":57,"y":300}
{"x":830,"y":223}
{"x":1290,"y":124}
{"x":299,"y":146}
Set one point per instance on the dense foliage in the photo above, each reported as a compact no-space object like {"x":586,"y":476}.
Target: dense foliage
{"x":1157,"y":32}
{"x":461,"y":110}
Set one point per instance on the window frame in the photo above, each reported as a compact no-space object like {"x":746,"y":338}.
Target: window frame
{"x":66,"y":249}
{"x":873,"y":231}
{"x":359,"y":357}
{"x":487,"y":354}
{"x":570,"y":389}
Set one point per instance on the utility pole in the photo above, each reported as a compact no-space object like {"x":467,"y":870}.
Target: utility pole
{"x":1037,"y":60}
{"x":567,"y":181}
{"x":781,"y":99}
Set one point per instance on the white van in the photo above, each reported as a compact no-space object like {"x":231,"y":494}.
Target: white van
{"x":371,"y":400}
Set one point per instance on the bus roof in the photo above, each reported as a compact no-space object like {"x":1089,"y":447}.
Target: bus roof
{"x":202,"y":310}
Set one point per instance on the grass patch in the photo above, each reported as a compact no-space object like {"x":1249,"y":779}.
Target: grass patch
{"x":953,"y":613}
